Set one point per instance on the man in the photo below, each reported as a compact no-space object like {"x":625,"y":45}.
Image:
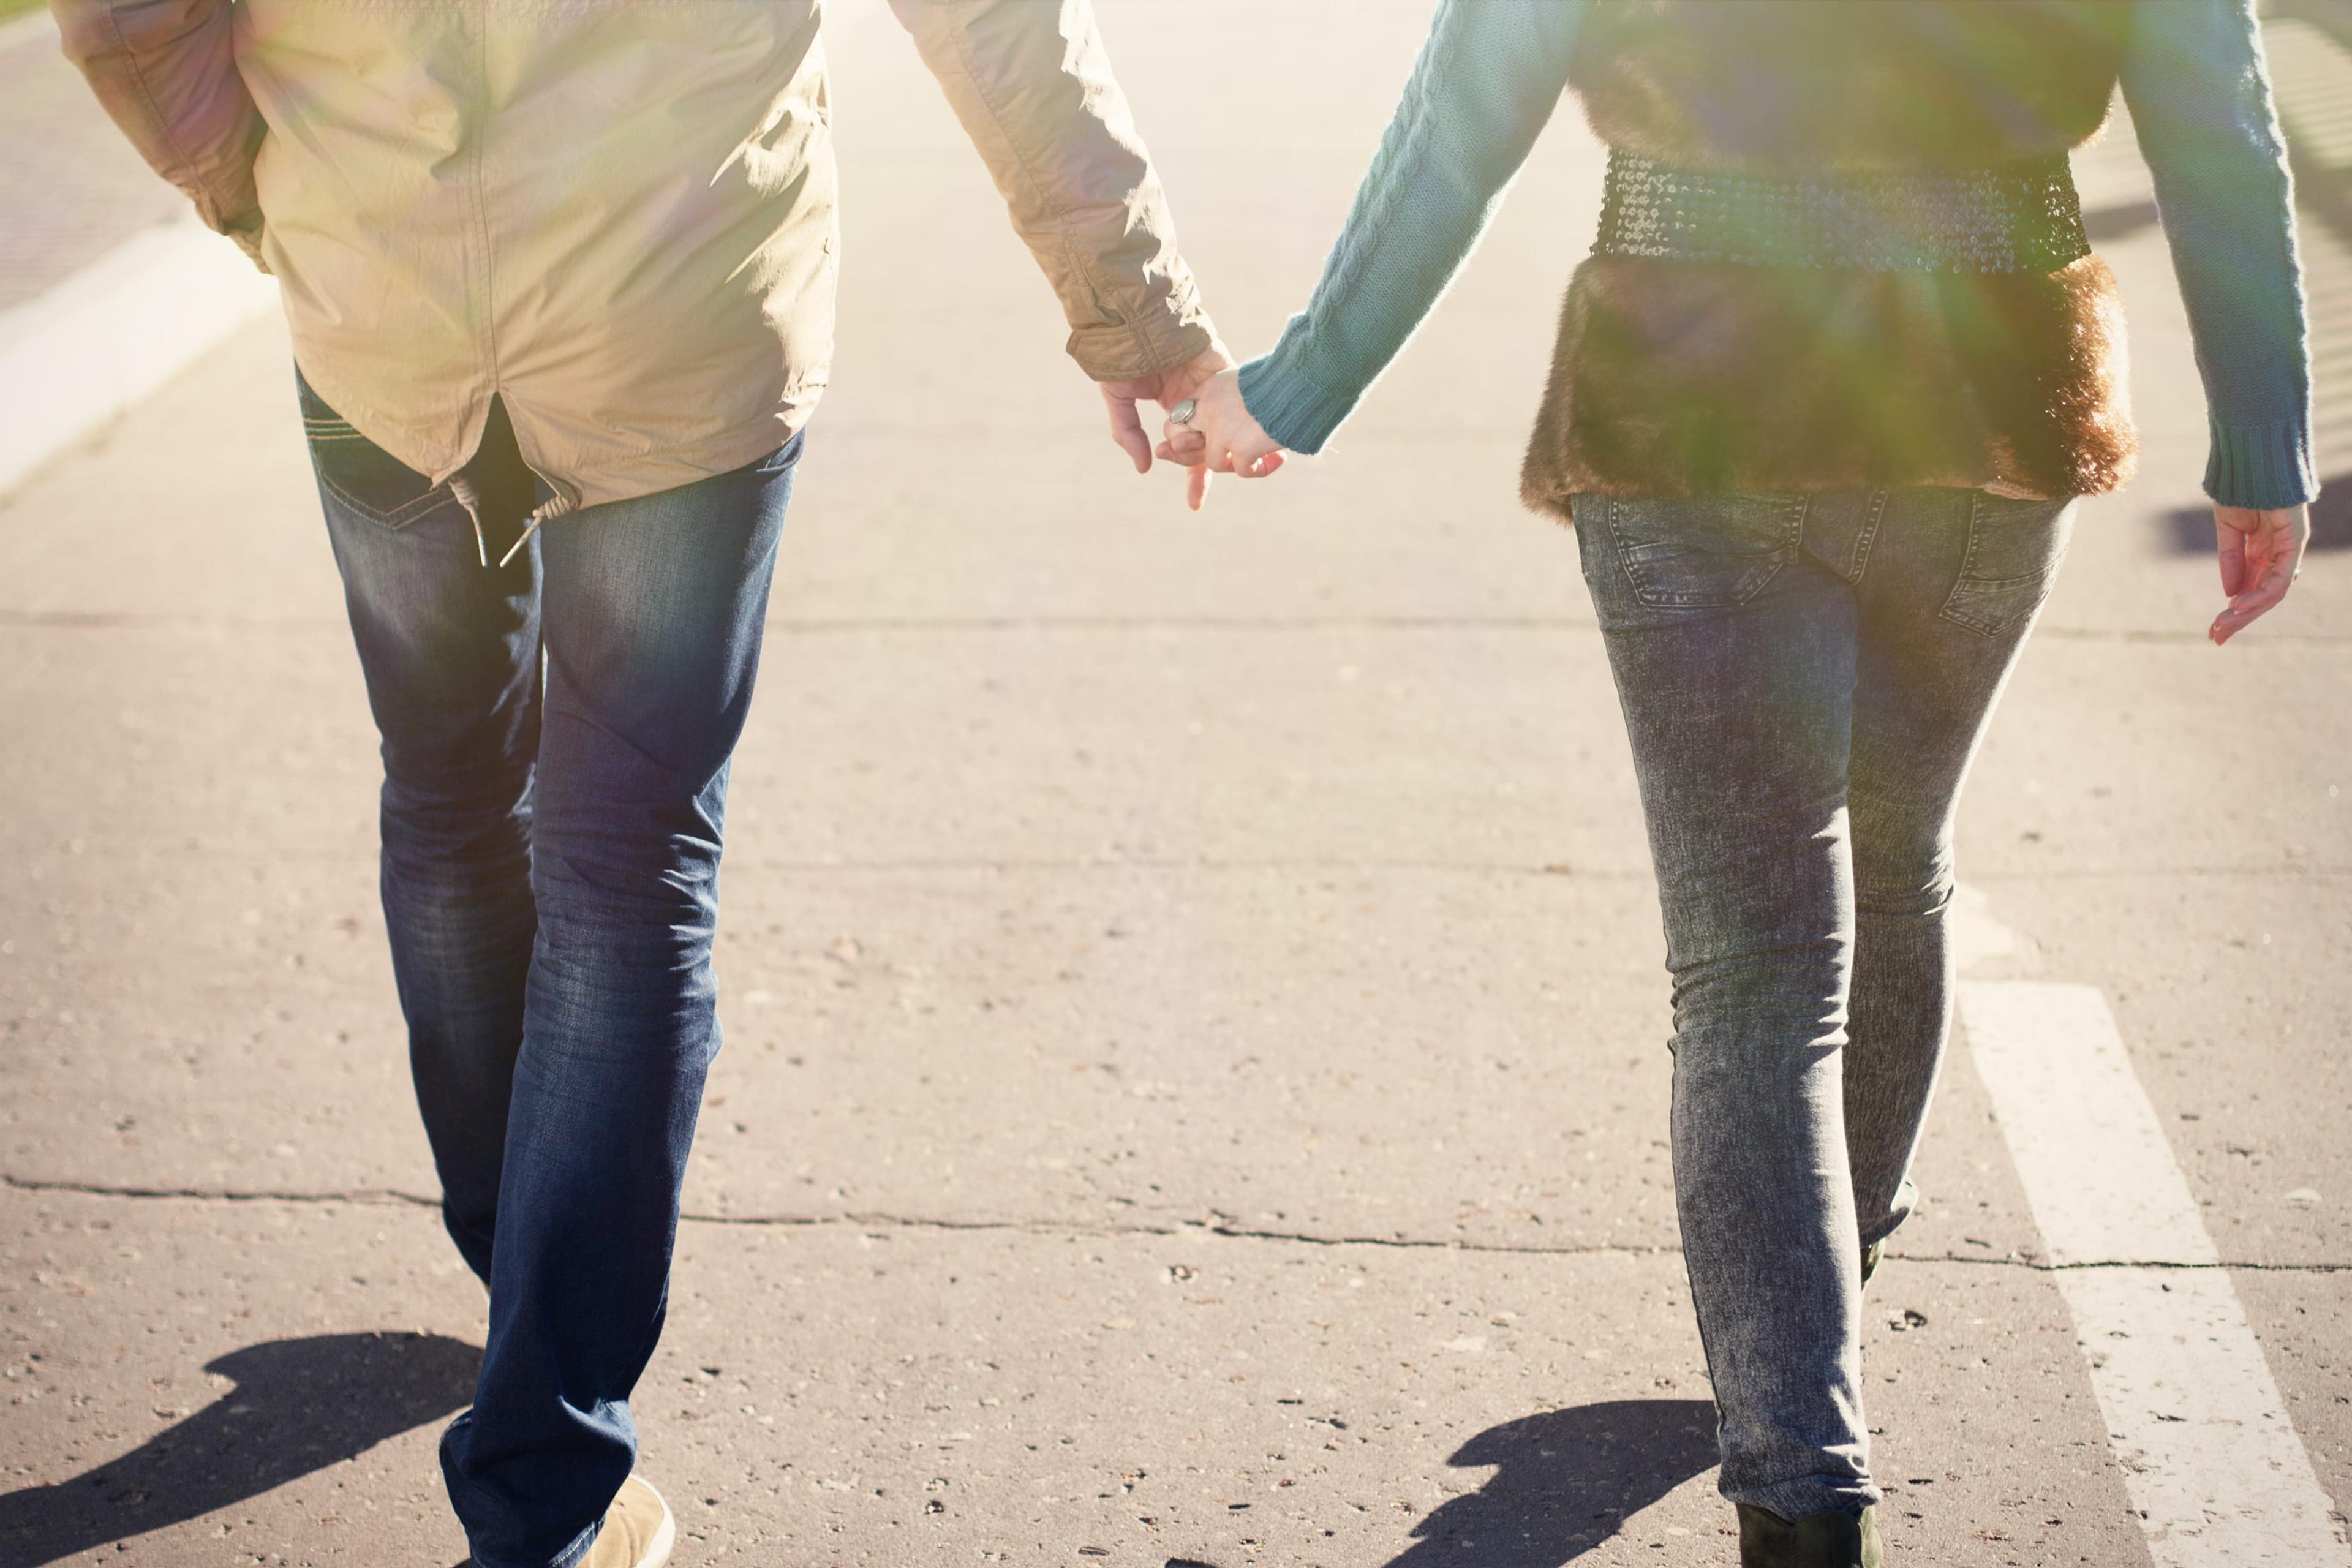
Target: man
{"x":560,"y":282}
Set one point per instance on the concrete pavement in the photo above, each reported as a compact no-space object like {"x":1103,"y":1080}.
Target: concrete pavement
{"x":1195,"y":1087}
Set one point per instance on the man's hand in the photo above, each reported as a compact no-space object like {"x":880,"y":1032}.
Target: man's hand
{"x":2262,"y":555}
{"x":1223,"y":434}
{"x":1168,"y":388}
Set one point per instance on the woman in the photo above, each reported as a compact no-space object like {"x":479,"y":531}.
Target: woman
{"x":1824,"y":397}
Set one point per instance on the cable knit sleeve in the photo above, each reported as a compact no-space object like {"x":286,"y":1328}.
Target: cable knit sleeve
{"x":2201,"y":101}
{"x":1486,"y":83}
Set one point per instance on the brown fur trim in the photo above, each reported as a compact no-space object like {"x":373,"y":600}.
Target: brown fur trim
{"x":1678,"y":378}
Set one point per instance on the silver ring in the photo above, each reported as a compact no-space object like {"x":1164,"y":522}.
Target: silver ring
{"x":1182,"y":413}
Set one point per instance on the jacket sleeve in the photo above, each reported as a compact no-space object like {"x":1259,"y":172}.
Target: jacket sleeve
{"x":165,"y":71}
{"x":1030,"y":83}
{"x":2201,"y":103}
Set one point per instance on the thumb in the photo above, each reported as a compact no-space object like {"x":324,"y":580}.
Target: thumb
{"x":1127,"y":429}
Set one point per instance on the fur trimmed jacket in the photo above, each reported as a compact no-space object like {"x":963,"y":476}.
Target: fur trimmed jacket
{"x":1673,"y":378}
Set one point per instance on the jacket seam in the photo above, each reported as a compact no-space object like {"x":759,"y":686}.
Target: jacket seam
{"x":1061,"y":211}
{"x":488,"y":261}
{"x":165,"y":131}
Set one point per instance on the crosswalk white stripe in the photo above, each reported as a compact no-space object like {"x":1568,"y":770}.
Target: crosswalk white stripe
{"x":2209,"y":1455}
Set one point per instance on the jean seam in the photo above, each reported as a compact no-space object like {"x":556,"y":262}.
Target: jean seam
{"x":400,"y":517}
{"x":1617,"y":552}
{"x":1983,"y":626}
{"x":1869,"y":536}
{"x":1951,"y":611}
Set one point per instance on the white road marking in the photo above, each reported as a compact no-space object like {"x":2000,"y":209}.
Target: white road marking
{"x":2209,"y":1455}
{"x":113,"y":333}
{"x":1976,"y":935}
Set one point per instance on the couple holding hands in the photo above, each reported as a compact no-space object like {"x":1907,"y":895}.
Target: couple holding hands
{"x":560,"y":284}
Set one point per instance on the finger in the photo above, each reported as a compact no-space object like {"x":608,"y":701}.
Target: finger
{"x":1127,"y":429}
{"x":2230,"y":548}
{"x":1188,"y":445}
{"x":1197,"y":491}
{"x":2253,"y":604}
{"x":1255,"y":457}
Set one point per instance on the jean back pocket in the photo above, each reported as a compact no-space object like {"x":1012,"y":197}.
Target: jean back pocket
{"x":361,"y":475}
{"x":1697,"y":552}
{"x":2013,"y":552}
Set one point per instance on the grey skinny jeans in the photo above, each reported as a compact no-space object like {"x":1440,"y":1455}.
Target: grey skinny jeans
{"x":1805,"y":678}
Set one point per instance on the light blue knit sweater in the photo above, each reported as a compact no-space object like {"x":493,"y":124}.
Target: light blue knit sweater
{"x":1494,"y":71}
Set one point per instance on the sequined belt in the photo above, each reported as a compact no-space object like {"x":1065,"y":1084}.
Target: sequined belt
{"x":2024,"y":217}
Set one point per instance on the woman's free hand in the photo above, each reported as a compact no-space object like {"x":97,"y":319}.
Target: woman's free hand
{"x":2262,"y":555}
{"x":1222,"y":434}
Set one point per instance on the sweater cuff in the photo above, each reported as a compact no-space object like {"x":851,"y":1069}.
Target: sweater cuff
{"x":2264,"y":466}
{"x":1289,"y":406}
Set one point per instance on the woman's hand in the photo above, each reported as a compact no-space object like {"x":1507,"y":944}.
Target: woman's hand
{"x":1168,"y":388}
{"x":1221,"y":434}
{"x":2261,"y":555}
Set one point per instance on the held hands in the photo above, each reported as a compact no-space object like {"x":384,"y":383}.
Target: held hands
{"x":2262,"y":555}
{"x":1167,"y":388}
{"x":1221,"y":435}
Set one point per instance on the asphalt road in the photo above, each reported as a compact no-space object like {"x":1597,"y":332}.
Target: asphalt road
{"x":1195,"y":1086}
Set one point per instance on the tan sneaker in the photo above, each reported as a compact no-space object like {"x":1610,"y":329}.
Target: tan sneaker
{"x":638,"y":1529}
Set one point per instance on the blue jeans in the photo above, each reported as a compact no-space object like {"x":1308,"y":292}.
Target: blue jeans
{"x":1804,"y":679}
{"x":556,"y":736}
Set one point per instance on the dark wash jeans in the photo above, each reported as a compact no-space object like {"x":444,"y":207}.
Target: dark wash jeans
{"x":1805,"y":678}
{"x":556,"y":736}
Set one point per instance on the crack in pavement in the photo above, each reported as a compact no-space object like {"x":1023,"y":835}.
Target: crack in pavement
{"x":2040,"y":1266}
{"x":1216,"y":1225}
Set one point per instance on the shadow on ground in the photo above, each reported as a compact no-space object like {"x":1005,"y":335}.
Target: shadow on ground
{"x":1566,"y":1482}
{"x":2190,"y":531}
{"x":299,"y":1405}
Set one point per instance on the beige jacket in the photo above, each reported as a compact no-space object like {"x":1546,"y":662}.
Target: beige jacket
{"x":615,"y":214}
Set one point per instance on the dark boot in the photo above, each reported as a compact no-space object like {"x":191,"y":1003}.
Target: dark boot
{"x":1831,"y":1538}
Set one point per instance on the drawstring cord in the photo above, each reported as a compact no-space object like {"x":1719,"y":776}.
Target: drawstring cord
{"x":554,"y":506}
{"x":463,"y":488}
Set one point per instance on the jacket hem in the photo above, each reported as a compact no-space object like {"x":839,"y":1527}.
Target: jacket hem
{"x":1125,"y":352}
{"x":628,"y":475}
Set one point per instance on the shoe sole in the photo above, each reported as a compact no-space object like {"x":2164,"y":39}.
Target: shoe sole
{"x":658,"y":1552}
